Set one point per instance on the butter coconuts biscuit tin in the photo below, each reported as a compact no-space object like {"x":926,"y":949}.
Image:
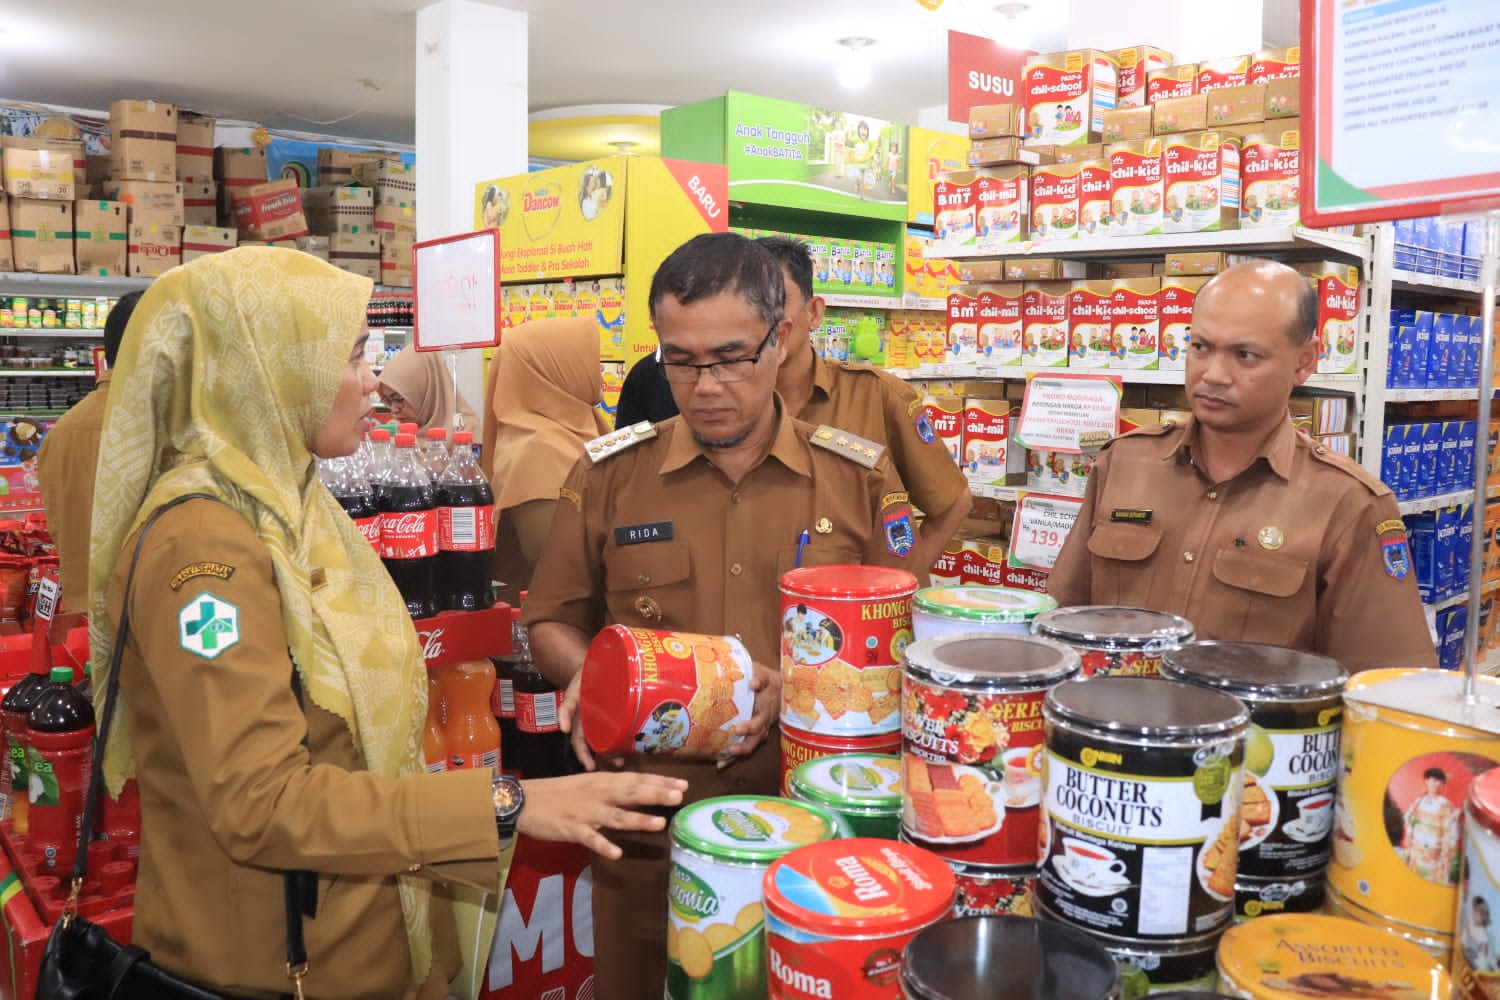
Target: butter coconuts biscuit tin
{"x":1291,"y":751}
{"x":1293,"y":957}
{"x":1115,"y":641}
{"x":862,"y":789}
{"x":1148,"y":970}
{"x":1261,"y":897}
{"x":1007,"y":957}
{"x":939,"y":611}
{"x":838,"y":915}
{"x":721,"y":848}
{"x":843,"y":632}
{"x":971,"y":727}
{"x":1141,"y":809}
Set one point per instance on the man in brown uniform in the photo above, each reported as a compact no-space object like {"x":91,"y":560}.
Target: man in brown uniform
{"x":688,"y":525}
{"x":65,"y":467}
{"x":1235,"y":520}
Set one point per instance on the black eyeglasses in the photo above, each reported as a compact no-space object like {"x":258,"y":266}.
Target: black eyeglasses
{"x":734,"y":370}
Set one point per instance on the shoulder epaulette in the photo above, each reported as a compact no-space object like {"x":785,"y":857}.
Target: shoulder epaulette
{"x":617,"y":441}
{"x":850,"y":446}
{"x":1346,"y":465}
{"x":1146,"y":430}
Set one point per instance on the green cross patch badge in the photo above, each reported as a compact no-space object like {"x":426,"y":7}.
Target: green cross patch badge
{"x":207,"y":626}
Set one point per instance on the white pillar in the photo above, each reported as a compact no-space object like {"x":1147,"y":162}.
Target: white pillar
{"x":471,"y":76}
{"x":1190,"y":29}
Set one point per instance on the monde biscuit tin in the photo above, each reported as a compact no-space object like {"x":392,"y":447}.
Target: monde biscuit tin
{"x":1115,"y":641}
{"x":862,"y":789}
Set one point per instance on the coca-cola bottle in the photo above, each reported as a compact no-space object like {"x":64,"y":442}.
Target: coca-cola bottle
{"x":380,"y":461}
{"x":466,"y":530}
{"x":434,"y":452}
{"x":409,"y":528}
{"x":351,"y":488}
{"x":542,"y":749}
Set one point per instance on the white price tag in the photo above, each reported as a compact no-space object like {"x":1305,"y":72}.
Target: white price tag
{"x":1041,"y":526}
{"x":47,"y":592}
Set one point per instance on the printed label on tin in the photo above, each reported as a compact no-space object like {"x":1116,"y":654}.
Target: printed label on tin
{"x":716,"y":942}
{"x":980,"y":896}
{"x":840,"y":664}
{"x":1141,"y":843}
{"x":697,"y":715}
{"x":1261,"y":899}
{"x":1476,"y":959}
{"x":1286,"y":815}
{"x":972,"y":782}
{"x":1142,"y":973}
{"x":1119,"y":663}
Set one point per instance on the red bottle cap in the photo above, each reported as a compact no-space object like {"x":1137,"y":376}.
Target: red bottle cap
{"x":437,"y":434}
{"x":406,"y":440}
{"x":463,"y":437}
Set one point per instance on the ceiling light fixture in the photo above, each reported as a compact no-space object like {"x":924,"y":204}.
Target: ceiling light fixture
{"x":1013,"y":29}
{"x":854,"y":63}
{"x":624,"y":147}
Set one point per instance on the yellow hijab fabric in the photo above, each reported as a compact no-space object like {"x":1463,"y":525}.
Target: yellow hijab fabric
{"x":422,"y":377}
{"x":231,"y":366}
{"x":545,"y":388}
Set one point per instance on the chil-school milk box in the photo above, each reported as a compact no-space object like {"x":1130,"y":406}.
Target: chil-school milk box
{"x":1136,"y":323}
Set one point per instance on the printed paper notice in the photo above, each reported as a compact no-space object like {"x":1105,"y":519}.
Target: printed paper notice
{"x":1041,"y":526}
{"x":1058,"y":409}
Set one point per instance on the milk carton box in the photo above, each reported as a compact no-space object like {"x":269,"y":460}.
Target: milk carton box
{"x":1440,"y":360}
{"x":989,"y":454}
{"x":1337,"y":286}
{"x":1270,"y":158}
{"x":1275,"y":64}
{"x":953,"y":216}
{"x":1095,"y":214}
{"x":1393,"y":450}
{"x":946,"y":415}
{"x":1450,"y":521}
{"x":1000,"y":325}
{"x":1428,"y":481}
{"x":1133,"y":65}
{"x":1467,"y":430}
{"x":1174,"y":306}
{"x":963,"y":326}
{"x":1066,"y":95}
{"x":1089,"y":327}
{"x":1421,"y":538}
{"x":1170,"y":82}
{"x":1136,"y":324}
{"x":1044,"y":324}
{"x":1001,"y":196}
{"x":1416,"y":327}
{"x":1136,"y":186}
{"x":1448,"y":480}
{"x":1231,"y":71}
{"x":1054,"y":201}
{"x":1200,"y":182}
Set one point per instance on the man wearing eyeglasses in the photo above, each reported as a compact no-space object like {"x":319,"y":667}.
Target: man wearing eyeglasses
{"x":687,"y":525}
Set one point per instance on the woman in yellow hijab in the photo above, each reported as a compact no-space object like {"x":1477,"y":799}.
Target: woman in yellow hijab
{"x":239,"y":369}
{"x":418,"y":387}
{"x":544,"y":394}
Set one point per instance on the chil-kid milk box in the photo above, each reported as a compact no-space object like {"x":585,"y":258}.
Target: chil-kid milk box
{"x":1133,"y":65}
{"x":1089,"y":329}
{"x":1054,"y":201}
{"x":1270,"y":158}
{"x":1136,"y":186}
{"x":1200,"y":182}
{"x":1044,"y":324}
{"x":1338,"y":314}
{"x":1095,"y":207}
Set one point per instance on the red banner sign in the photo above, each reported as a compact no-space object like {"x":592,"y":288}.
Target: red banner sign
{"x":544,"y":942}
{"x":981,"y":71}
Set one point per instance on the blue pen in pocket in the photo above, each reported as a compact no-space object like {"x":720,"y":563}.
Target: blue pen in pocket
{"x":802,"y":540}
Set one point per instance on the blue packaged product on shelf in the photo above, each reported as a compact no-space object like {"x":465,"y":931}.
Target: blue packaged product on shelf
{"x":1428,"y":484}
{"x":1467,"y":431}
{"x":1451,"y":237}
{"x":1421,"y":538}
{"x":1448,"y":479}
{"x":1448,"y":525}
{"x":1420,"y":320}
{"x":1406,"y":230}
{"x":1473,"y":239}
{"x":1463,"y":550}
{"x":1440,"y":355}
{"x":1398,"y":356}
{"x":1393,"y":451}
{"x":1476,"y":347}
{"x":1451,"y":624}
{"x":1411,"y":462}
{"x":1465,"y":356}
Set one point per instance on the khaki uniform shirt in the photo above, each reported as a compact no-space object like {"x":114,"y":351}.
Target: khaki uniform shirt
{"x":65,"y":466}
{"x":877,"y":405}
{"x":1303,"y":549}
{"x":230,"y":797}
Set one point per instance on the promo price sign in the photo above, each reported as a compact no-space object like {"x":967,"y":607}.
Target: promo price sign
{"x":456,"y":292}
{"x":1059,"y":409}
{"x":1040,"y":527}
{"x":1400,"y":97}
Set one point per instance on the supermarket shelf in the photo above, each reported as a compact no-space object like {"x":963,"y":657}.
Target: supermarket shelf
{"x":23,"y":412}
{"x":1343,"y":383}
{"x":393,"y":290}
{"x":1429,"y":395}
{"x":1114,"y":247}
{"x":997,"y":492}
{"x":911,"y":301}
{"x":48,"y":372}
{"x":1432,"y":284}
{"x":1435,"y":503}
{"x":53,"y":333}
{"x":1457,"y":599}
{"x":26,"y":283}
{"x":865,"y":301}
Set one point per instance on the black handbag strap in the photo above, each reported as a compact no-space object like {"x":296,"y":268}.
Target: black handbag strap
{"x":295,"y":883}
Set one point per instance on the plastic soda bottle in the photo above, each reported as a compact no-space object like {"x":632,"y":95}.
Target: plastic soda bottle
{"x":61,"y":726}
{"x":434,"y":745}
{"x":470,"y":732}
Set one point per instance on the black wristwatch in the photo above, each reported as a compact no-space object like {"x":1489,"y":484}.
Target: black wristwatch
{"x":509,"y":798}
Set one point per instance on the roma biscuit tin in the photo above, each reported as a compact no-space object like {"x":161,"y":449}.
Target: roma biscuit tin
{"x":797,"y":748}
{"x":940,"y":611}
{"x":721,"y":848}
{"x":838,"y":915}
{"x":1410,"y":749}
{"x":986,"y":890}
{"x":1261,"y":897}
{"x":1291,"y":750}
{"x":971,"y":729}
{"x":1476,"y":959}
{"x":1140,"y":833}
{"x":666,"y":693}
{"x":843,"y":632}
{"x":1113,"y":641}
{"x":863,"y":790}
{"x":970,"y":958}
{"x":1293,"y":957}
{"x":1147,"y":970}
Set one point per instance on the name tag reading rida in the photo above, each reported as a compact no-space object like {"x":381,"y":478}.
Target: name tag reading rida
{"x":635,"y":534}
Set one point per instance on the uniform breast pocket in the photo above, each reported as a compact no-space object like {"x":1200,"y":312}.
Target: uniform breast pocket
{"x":1122,"y":559}
{"x":646,"y":584}
{"x":1262,"y":598}
{"x":818,"y":554}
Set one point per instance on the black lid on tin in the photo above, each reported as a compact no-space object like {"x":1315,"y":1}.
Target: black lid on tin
{"x":1006,"y":958}
{"x":1255,"y":670}
{"x":990,"y":660}
{"x":1147,"y":707}
{"x":1113,"y":627}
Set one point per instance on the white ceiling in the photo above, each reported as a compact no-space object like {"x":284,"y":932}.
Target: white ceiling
{"x":345,"y":67}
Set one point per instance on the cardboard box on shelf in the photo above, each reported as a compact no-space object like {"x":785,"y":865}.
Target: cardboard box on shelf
{"x":39,"y":169}
{"x":1043,"y":269}
{"x":1197,"y":262}
{"x":946,"y":414}
{"x":1095,"y":207}
{"x":42,"y":235}
{"x":336,"y":166}
{"x":1066,"y":95}
{"x":1127,"y":124}
{"x":1000,"y":324}
{"x":156,"y":197}
{"x":200,"y":203}
{"x":991,"y":458}
{"x":1089,"y":327}
{"x":155,"y":244}
{"x":7,"y":255}
{"x":1283,"y":97}
{"x":1276,"y":64}
{"x":339,"y":208}
{"x":1180,"y":114}
{"x":1003,"y":151}
{"x":1230,"y":71}
{"x":1133,"y":65}
{"x":237,"y":168}
{"x":195,"y":147}
{"x":358,"y":253}
{"x":1171,"y":81}
{"x":396,"y":218}
{"x":1077,"y":154}
{"x":201,"y":241}
{"x":101,"y":233}
{"x":1044,"y":324}
{"x":1174,"y":311}
{"x":992,"y":121}
{"x":1338,"y":314}
{"x":962,"y":344}
{"x":1270,"y":183}
{"x":1055,"y":201}
{"x":315,"y":245}
{"x":280,"y":244}
{"x":1002,"y":196}
{"x":395,"y":182}
{"x":1136,"y":186}
{"x":1135,"y":320}
{"x":1130,"y":269}
{"x":1200,"y":182}
{"x":1240,"y":105}
{"x":982,"y":560}
{"x":396,"y":259}
{"x":270,"y":211}
{"x":142,"y":141}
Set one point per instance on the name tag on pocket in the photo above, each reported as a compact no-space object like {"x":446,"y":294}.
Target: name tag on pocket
{"x":635,"y":534}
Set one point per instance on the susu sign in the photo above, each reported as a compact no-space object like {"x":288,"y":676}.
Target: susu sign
{"x":981,"y":71}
